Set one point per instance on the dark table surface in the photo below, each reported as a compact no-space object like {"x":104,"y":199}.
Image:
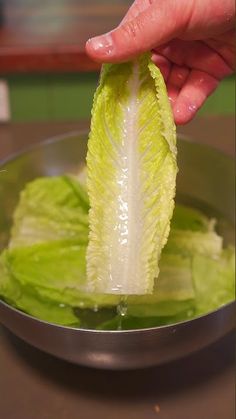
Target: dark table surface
{"x":34,"y":385}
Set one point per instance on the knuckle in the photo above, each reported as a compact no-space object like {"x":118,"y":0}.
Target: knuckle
{"x":133,"y":28}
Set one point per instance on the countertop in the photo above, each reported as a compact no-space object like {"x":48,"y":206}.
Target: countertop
{"x":34,"y":385}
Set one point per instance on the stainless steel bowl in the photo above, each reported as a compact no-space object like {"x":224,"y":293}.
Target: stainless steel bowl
{"x":206,"y":178}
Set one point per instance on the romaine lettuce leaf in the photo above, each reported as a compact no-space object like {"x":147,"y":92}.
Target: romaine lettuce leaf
{"x":56,"y":271}
{"x":173,"y":290}
{"x":187,"y":243}
{"x":58,"y":265}
{"x":51,"y":209}
{"x":131,"y":178}
{"x":47,"y":278}
{"x":24,"y":297}
{"x":214,"y":280}
{"x":186,"y":218}
{"x":174,"y":282}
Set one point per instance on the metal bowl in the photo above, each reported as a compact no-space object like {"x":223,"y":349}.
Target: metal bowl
{"x":206,"y":178}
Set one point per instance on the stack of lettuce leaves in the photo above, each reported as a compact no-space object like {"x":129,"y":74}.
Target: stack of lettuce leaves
{"x":43,"y":270}
{"x":109,"y":255}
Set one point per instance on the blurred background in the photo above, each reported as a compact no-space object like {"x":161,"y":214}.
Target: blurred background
{"x":44,"y":72}
{"x":46,"y":88}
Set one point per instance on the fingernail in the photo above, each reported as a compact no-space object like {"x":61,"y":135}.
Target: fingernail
{"x":102,"y":44}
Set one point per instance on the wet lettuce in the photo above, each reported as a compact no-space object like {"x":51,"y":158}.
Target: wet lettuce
{"x":43,"y":272}
{"x":131,"y":178}
{"x":28,"y":300}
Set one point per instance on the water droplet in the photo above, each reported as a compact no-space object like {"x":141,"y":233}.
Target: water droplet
{"x":122,"y":307}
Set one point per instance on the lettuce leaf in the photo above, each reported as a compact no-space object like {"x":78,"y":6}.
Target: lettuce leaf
{"x":187,"y":243}
{"x":131,"y":178}
{"x":51,"y":209}
{"x":186,"y":218}
{"x":25,"y":298}
{"x":47,"y":278}
{"x":214,"y":280}
{"x":58,"y":265}
{"x":57,"y":271}
{"x":173,"y":291}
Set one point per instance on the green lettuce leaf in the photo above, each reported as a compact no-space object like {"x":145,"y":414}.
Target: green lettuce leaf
{"x":189,"y":243}
{"x":47,"y":278}
{"x":173,"y":291}
{"x":214,"y":280}
{"x":131,"y":178}
{"x":25,"y":298}
{"x":186,"y":218}
{"x":51,"y":209}
{"x":57,"y":271}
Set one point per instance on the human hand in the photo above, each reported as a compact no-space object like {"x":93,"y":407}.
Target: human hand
{"x":192,"y":43}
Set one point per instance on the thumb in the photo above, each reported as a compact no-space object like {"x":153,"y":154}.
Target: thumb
{"x":153,"y":26}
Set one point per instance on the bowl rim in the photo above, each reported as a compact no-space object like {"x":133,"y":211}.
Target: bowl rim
{"x":127,"y":331}
{"x":85,"y":131}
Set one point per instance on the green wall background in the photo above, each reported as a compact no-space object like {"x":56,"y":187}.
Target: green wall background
{"x":69,"y":97}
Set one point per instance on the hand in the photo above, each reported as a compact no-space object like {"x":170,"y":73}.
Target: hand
{"x":192,"y":43}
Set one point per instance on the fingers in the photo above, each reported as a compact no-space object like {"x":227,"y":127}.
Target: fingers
{"x":178,"y":76}
{"x":174,"y":76}
{"x":225,"y":46}
{"x":187,"y":90}
{"x":198,"y":86}
{"x":173,"y":93}
{"x":151,"y":23}
{"x":163,"y":64}
{"x":176,"y":80}
{"x":197,"y":55}
{"x":156,"y":24}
